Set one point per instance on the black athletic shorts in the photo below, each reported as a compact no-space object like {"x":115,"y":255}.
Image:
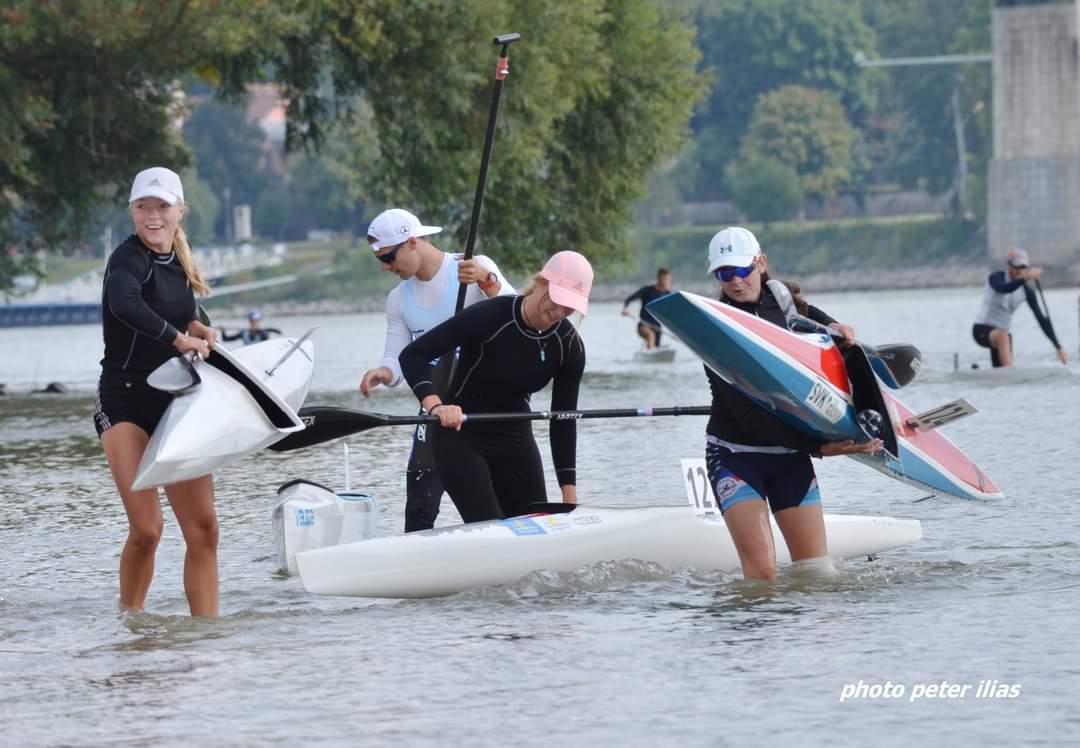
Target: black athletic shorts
{"x":125,"y":396}
{"x":981,"y":333}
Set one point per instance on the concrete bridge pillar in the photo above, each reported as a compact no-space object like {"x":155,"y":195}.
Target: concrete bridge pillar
{"x":1034,"y":180}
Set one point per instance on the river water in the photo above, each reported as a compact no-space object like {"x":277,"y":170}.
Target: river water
{"x":616,"y":654}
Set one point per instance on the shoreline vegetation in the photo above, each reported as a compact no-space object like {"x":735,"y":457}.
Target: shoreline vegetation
{"x":822,"y":256}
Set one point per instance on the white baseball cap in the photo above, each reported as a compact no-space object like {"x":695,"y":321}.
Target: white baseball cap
{"x":394,"y":226}
{"x":1018,"y":259}
{"x":158,"y":182}
{"x":733,"y":247}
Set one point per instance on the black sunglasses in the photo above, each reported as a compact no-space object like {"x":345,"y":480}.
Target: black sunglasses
{"x":389,"y":257}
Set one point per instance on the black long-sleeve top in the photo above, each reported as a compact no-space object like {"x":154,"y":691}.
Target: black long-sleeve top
{"x":1000,"y":283}
{"x":736,"y":418}
{"x":501,"y":363}
{"x":646,"y":294}
{"x":145,"y":300}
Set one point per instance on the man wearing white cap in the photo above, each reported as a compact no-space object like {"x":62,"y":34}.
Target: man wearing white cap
{"x":1004,"y":292}
{"x":426,"y":296}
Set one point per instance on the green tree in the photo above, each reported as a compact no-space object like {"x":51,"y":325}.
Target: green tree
{"x":599,"y":95}
{"x":913,"y":135}
{"x":228,"y":151}
{"x":203,"y":208}
{"x":755,"y":46}
{"x":90,"y":93}
{"x":808,"y":131}
{"x":765,"y":189}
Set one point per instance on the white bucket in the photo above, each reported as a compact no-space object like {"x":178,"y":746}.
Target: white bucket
{"x":309,"y":516}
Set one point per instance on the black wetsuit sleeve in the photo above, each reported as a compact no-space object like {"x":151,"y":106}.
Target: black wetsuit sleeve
{"x":564,"y":396}
{"x":998,"y":283}
{"x":473,"y":324}
{"x":234,"y":336}
{"x":635,"y":295}
{"x":123,"y":294}
{"x":818,"y":316}
{"x":1044,"y":321}
{"x":763,"y":426}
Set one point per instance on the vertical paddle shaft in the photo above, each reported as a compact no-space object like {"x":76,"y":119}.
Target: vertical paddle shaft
{"x":502,"y":69}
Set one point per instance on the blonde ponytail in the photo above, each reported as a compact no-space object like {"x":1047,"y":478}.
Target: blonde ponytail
{"x":187,"y":262}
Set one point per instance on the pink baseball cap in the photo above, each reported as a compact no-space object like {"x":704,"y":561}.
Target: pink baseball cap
{"x":569,"y":276}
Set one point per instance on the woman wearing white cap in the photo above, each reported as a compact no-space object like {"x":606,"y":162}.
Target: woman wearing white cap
{"x":510,"y":347}
{"x":751,"y":455}
{"x":148,"y":316}
{"x":1004,"y":292}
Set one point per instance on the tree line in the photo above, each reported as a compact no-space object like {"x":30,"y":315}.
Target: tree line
{"x":758,"y":101}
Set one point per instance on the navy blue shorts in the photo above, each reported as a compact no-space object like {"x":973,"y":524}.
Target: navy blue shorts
{"x":785,"y":480}
{"x":125,"y":396}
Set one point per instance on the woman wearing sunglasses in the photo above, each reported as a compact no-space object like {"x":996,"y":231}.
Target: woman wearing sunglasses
{"x":751,"y":455}
{"x":510,"y":347}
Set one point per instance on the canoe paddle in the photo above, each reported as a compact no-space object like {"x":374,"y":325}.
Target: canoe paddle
{"x":325,"y":423}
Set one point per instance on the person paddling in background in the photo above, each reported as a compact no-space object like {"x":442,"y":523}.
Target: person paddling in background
{"x":426,"y":296}
{"x":1004,"y":292}
{"x":255,"y":332}
{"x":751,"y":455}
{"x":510,"y":347}
{"x":149,"y":316}
{"x":648,"y":326}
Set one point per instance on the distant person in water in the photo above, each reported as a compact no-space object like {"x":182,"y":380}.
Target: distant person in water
{"x":648,"y":328}
{"x":255,"y":333}
{"x":1004,"y":292}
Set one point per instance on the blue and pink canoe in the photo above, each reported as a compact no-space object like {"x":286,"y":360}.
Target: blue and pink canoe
{"x":805,"y":380}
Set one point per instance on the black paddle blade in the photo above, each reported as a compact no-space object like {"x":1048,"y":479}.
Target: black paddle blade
{"x":897,"y":364}
{"x":325,"y":423}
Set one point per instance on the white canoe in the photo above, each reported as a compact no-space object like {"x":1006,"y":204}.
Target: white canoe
{"x":448,"y":560}
{"x":237,"y":409}
{"x":309,"y":515}
{"x":658,"y":355}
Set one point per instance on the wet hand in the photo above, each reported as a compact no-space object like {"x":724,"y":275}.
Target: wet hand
{"x":1062,"y":356}
{"x":373,"y":378}
{"x":450,"y":416}
{"x":199,"y":330}
{"x":625,"y":312}
{"x":470,"y":271}
{"x":846,"y":330}
{"x":851,"y":447}
{"x":1033,"y":273}
{"x":190,"y":344}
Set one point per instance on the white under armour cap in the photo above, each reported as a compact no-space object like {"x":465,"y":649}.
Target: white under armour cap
{"x":394,"y":226}
{"x":733,"y":247}
{"x":158,"y":182}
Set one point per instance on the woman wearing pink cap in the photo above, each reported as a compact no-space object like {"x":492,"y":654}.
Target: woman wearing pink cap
{"x":510,"y":347}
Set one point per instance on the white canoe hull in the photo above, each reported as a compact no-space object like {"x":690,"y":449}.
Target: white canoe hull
{"x":308,"y":516}
{"x":448,"y":560}
{"x":220,"y":421}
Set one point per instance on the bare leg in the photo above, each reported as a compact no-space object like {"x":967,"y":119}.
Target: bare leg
{"x":748,"y":523}
{"x":193,"y":503}
{"x":1003,"y":345}
{"x":647,"y":334}
{"x":124,"y":444}
{"x":803,"y":528}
